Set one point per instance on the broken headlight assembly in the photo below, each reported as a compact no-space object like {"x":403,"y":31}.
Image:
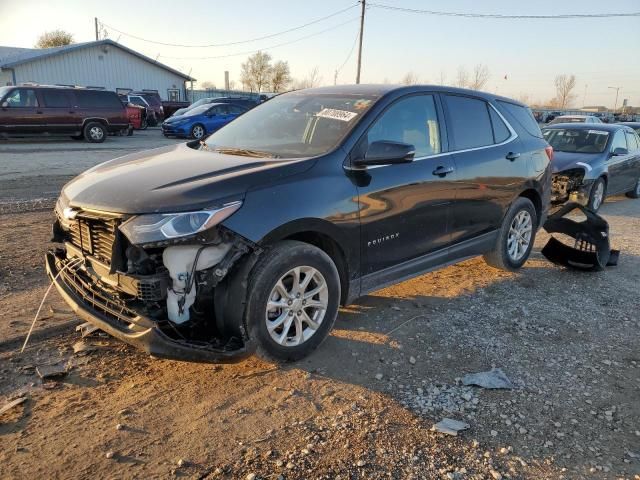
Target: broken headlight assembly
{"x":158,"y":228}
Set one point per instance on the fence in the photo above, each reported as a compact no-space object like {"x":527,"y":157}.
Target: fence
{"x":195,"y":95}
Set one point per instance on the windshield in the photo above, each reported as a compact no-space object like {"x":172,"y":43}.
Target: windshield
{"x":202,"y":101}
{"x":568,"y":120}
{"x":576,"y":140}
{"x":295,"y":124}
{"x":197,"y":110}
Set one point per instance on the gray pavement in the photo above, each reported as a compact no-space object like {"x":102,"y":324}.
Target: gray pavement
{"x":35,"y":169}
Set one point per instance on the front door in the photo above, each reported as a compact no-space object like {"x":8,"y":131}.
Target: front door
{"x":21,"y":112}
{"x":404,"y":208}
{"x":620,"y":167}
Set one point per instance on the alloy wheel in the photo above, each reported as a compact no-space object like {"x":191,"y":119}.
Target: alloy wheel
{"x":297,"y":306}
{"x":96,"y":133}
{"x":198,"y":132}
{"x":598,"y":196}
{"x":519,"y":236}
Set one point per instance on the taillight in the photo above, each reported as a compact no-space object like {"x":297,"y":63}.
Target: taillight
{"x":549,"y":151}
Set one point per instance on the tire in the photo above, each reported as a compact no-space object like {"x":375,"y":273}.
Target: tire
{"x":290,"y":336}
{"x":95,"y":132}
{"x":130,"y":131}
{"x":144,"y":124}
{"x":597,"y":195}
{"x":509,"y":256}
{"x":198,"y":131}
{"x":635,"y":193}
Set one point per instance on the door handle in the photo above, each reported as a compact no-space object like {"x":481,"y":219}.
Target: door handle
{"x":512,"y":156}
{"x":443,"y":171}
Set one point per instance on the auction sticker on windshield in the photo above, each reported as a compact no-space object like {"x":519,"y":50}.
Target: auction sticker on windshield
{"x":598,"y":132}
{"x":342,"y":115}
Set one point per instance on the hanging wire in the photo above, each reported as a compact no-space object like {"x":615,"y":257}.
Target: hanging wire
{"x":166,"y":44}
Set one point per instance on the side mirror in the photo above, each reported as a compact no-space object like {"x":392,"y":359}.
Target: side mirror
{"x":387,"y":153}
{"x":5,"y":104}
{"x":620,"y":151}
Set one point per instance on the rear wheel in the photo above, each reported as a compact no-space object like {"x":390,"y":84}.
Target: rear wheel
{"x":197,"y":131}
{"x":95,"y":132}
{"x":293,"y":300}
{"x":597,"y":195}
{"x":635,"y":193}
{"x":516,"y":237}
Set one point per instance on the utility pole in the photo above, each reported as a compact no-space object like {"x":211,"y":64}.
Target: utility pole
{"x":584,"y":99}
{"x":95,"y":22}
{"x":363,"y":3}
{"x":617,"y":89}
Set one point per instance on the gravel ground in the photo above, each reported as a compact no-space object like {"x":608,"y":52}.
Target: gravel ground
{"x":363,"y":405}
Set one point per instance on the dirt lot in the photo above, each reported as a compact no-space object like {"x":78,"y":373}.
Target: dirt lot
{"x":363,"y":405}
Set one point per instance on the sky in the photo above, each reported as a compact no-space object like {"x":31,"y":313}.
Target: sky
{"x":600,"y":52}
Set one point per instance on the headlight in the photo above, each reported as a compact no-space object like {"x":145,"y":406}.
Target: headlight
{"x":159,"y":227}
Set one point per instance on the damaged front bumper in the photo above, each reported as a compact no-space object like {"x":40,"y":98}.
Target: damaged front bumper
{"x":97,"y":308}
{"x":570,"y":187}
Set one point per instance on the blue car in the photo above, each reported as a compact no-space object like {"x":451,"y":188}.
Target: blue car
{"x":201,"y":121}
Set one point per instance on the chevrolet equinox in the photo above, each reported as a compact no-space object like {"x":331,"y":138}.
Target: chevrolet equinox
{"x":250,"y":239}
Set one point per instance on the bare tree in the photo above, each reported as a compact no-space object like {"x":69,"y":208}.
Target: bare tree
{"x":443,"y":77}
{"x":313,"y":79}
{"x":280,"y":76}
{"x":255,"y":73}
{"x":207,"y":85}
{"x":564,"y":90}
{"x":410,"y":78}
{"x":480,"y":77}
{"x":524,"y":98}
{"x":462,"y":79}
{"x":55,"y":38}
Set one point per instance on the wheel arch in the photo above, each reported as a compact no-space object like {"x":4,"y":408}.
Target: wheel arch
{"x":323,"y":235}
{"x":101,"y":120}
{"x":535,"y":197}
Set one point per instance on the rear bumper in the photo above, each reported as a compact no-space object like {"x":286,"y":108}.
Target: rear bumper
{"x":141,"y":332}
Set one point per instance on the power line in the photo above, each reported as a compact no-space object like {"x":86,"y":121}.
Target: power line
{"x":502,"y":16}
{"x":249,"y":52}
{"x":355,"y":40}
{"x":232,"y":43}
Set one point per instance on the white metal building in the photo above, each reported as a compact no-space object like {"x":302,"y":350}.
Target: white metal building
{"x":104,"y":63}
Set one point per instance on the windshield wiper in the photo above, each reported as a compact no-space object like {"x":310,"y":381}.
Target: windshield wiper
{"x":245,"y":152}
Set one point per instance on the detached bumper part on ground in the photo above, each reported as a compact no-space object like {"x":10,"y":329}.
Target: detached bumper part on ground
{"x":591,"y":251}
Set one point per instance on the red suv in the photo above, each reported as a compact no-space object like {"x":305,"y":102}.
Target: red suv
{"x":78,"y":112}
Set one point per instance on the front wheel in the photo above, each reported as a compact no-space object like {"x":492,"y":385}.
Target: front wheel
{"x":635,"y":193}
{"x":197,"y":131}
{"x":515,"y":238}
{"x":293,"y":300}
{"x":596,"y":197}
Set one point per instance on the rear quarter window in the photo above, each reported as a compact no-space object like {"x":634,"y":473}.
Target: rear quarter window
{"x":523,"y":116}
{"x":97,"y":99}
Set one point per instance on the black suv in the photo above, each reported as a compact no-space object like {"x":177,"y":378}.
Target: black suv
{"x":207,"y":251}
{"x":78,"y":112}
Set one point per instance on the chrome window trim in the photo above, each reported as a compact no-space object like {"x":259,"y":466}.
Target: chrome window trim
{"x":511,"y":138}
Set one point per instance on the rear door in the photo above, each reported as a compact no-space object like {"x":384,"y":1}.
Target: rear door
{"x":633,"y":145}
{"x":490,"y":164}
{"x":404,"y":208}
{"x":58,"y":112}
{"x":22,"y":113}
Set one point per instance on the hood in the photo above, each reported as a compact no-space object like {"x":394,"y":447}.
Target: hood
{"x":566,"y":160}
{"x":173,"y":179}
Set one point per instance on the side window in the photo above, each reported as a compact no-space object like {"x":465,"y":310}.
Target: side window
{"x":618,"y":141}
{"x":55,"y":98}
{"x":632,"y":141}
{"x":523,"y":116}
{"x":22,"y":97}
{"x":235,"y":109}
{"x":500,"y":130}
{"x":410,"y":120}
{"x":138,"y":101}
{"x":470,"y":123}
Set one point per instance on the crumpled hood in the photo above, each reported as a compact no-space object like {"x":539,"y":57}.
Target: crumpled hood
{"x":173,"y":179}
{"x":566,"y":160}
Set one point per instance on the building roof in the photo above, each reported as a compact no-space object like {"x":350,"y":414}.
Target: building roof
{"x":12,"y":56}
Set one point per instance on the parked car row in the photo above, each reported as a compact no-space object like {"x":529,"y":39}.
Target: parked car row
{"x":205,"y":116}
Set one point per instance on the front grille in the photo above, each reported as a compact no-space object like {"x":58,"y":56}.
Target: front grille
{"x":94,"y":236}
